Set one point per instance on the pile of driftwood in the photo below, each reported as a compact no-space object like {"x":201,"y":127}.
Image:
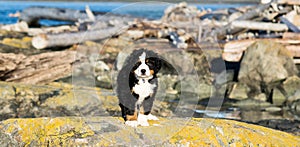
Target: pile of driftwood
{"x":182,"y":25}
{"x":236,"y":28}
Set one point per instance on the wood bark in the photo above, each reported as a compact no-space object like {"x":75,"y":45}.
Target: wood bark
{"x":36,"y":69}
{"x":43,"y":41}
{"x":252,"y":25}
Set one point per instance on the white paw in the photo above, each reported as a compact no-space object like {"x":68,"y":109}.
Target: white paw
{"x":143,"y":120}
{"x":131,"y":123}
{"x":152,"y":117}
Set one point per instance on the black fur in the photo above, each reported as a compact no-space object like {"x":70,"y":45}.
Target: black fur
{"x":126,"y":80}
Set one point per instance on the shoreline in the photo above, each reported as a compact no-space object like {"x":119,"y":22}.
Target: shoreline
{"x":169,"y":1}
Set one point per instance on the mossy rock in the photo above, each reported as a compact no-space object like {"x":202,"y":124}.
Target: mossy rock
{"x":110,"y":131}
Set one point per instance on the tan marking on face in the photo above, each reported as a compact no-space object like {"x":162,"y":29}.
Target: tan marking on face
{"x":152,"y":72}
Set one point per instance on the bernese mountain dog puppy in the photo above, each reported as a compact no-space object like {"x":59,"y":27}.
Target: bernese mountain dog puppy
{"x":137,"y":85}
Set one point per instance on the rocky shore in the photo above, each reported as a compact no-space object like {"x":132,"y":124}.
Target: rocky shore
{"x":57,"y":83}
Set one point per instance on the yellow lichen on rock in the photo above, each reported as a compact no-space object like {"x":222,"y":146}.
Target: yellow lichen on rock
{"x":43,"y":131}
{"x":220,"y":132}
{"x":111,"y":131}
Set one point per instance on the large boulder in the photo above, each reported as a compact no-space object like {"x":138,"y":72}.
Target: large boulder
{"x":55,"y":99}
{"x":111,"y":131}
{"x":264,"y":66}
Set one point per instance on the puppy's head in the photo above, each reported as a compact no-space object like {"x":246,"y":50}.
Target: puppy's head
{"x":147,"y":65}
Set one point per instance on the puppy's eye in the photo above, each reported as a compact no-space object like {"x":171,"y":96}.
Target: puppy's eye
{"x":149,"y":62}
{"x":137,"y":65}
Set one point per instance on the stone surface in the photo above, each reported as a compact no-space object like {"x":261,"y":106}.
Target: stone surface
{"x":291,"y":85}
{"x":110,"y":131}
{"x":239,"y":91}
{"x":58,"y":99}
{"x":55,"y":99}
{"x":278,"y":97}
{"x":264,"y":66}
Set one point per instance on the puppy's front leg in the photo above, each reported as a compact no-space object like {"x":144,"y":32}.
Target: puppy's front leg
{"x":142,"y":119}
{"x":132,"y":120}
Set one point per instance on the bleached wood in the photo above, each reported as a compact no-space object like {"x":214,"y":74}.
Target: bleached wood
{"x":43,"y":41}
{"x":252,"y":25}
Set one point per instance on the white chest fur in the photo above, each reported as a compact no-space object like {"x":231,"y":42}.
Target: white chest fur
{"x":144,"y":88}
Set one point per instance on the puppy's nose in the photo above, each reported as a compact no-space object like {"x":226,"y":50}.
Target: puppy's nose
{"x":143,"y":71}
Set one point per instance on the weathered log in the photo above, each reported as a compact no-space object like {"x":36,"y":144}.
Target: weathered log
{"x":18,"y":27}
{"x":294,"y":49}
{"x":252,"y":25}
{"x":221,"y":32}
{"x":289,"y":35}
{"x":32,"y":15}
{"x":297,"y":61}
{"x":290,"y":2}
{"x":290,"y":25}
{"x":233,"y":49}
{"x":53,"y":30}
{"x":36,"y":69}
{"x":43,"y":41}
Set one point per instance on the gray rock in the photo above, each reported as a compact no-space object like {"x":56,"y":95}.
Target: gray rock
{"x":291,"y":85}
{"x":18,"y":100}
{"x":239,"y":91}
{"x":264,"y":66}
{"x":278,"y":97}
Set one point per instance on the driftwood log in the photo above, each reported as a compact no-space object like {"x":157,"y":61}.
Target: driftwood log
{"x":252,"y":25}
{"x":32,"y":15}
{"x":290,"y":2}
{"x":289,"y":35}
{"x":43,"y":41}
{"x":290,"y":25}
{"x":221,"y":32}
{"x":233,"y":50}
{"x":36,"y":69}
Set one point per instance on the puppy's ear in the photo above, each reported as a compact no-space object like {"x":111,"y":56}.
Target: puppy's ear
{"x":158,"y":63}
